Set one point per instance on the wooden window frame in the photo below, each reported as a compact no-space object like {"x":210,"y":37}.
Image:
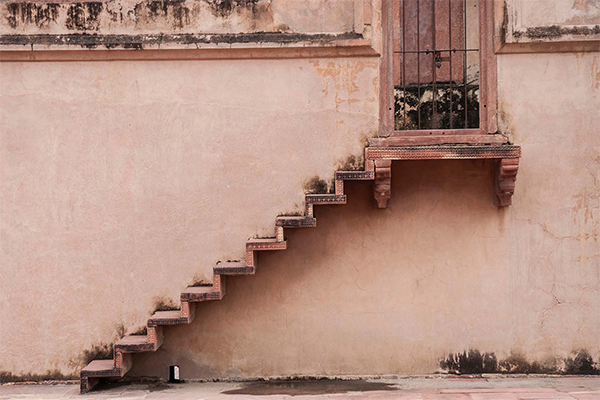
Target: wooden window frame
{"x":488,"y":107}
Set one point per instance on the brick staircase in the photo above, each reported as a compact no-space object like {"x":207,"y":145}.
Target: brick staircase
{"x":378,"y":159}
{"x":153,"y":339}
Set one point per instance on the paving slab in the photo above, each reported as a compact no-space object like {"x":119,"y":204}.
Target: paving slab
{"x":403,"y":388}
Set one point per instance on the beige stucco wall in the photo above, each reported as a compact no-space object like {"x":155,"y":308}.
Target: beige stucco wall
{"x":122,"y":182}
{"x":442,"y":270}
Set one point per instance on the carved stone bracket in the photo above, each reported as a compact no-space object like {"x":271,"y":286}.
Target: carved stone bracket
{"x":383,"y":182}
{"x":505,"y":176}
{"x":506,"y":165}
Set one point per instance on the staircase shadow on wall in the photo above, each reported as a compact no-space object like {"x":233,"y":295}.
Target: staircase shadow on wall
{"x":338,"y":301}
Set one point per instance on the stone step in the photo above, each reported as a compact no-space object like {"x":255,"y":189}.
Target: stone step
{"x":293,"y":221}
{"x":91,"y":374}
{"x":101,"y":368}
{"x":325,"y":199}
{"x":169,"y":318}
{"x":152,"y":341}
{"x":355,"y":175}
{"x":233,"y":268}
{"x":200,"y":293}
{"x":265,"y":244}
{"x":136,"y":344}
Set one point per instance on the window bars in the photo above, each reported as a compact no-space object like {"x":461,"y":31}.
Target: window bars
{"x":436,"y":64}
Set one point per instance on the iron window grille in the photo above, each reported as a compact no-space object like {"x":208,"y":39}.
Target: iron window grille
{"x":438,"y":72}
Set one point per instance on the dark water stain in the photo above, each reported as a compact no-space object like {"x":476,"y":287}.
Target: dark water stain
{"x":98,"y":351}
{"x":162,"y":9}
{"x":27,"y":13}
{"x":555,"y":31}
{"x":137,"y":42}
{"x":581,"y":364}
{"x":476,"y":362}
{"x":84,"y":16}
{"x":164,"y":304}
{"x":158,"y":387}
{"x":56,"y":375}
{"x":471,"y":362}
{"x":305,"y":387}
{"x":140,"y":331}
{"x":351,"y":163}
{"x":224,"y":8}
{"x":315,"y":185}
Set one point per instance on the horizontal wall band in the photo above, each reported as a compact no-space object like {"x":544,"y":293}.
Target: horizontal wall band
{"x":442,"y":152}
{"x":181,"y":47}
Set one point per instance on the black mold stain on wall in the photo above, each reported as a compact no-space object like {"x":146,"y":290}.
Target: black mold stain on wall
{"x":84,"y":16}
{"x":475,"y":362}
{"x":55,"y":375}
{"x":471,"y":362}
{"x":99,"y":351}
{"x":555,"y":31}
{"x":137,"y":42}
{"x":155,"y":9}
{"x":315,"y":185}
{"x":224,"y":8}
{"x":351,"y":163}
{"x":30,"y":13}
{"x":582,"y":363}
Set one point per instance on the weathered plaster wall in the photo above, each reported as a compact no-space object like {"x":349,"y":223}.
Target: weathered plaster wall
{"x":186,"y":16}
{"x":552,"y":21}
{"x":176,"y":24}
{"x":122,"y":182}
{"x":442,"y":270}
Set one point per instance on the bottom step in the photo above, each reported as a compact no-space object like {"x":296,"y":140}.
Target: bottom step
{"x":91,"y":374}
{"x":101,"y":368}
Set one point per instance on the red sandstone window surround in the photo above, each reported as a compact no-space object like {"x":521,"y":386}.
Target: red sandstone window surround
{"x":438,"y":73}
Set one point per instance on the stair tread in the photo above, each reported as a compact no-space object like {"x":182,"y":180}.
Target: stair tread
{"x":326,"y":198}
{"x":266,"y":244}
{"x":100,"y":365}
{"x":233,"y":268}
{"x":355,"y":175}
{"x":133,"y":339}
{"x":296,"y":221}
{"x":166,"y":314}
{"x":265,"y":240}
{"x":231,"y":264}
{"x":198,"y":289}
